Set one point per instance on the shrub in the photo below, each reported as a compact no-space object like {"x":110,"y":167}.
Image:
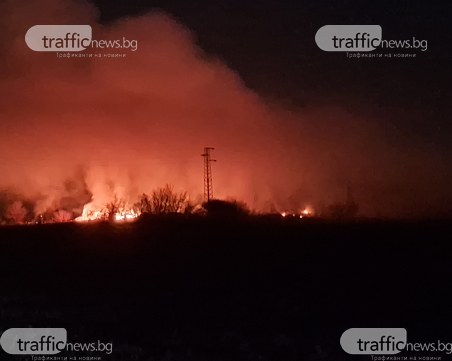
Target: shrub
{"x":226,"y":209}
{"x":165,"y":200}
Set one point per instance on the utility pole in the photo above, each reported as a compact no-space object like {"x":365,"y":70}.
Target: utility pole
{"x":208,"y":186}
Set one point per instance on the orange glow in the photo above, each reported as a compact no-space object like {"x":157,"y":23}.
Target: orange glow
{"x":307,"y":211}
{"x":124,"y":215}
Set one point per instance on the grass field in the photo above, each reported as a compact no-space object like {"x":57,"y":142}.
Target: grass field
{"x":177,"y":288}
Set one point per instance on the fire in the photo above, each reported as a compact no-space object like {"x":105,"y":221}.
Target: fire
{"x":91,"y":216}
{"x":95,"y":214}
{"x":126,"y":215}
{"x":306,"y":212}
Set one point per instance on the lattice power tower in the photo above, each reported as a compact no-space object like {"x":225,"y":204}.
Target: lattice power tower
{"x":208,"y":186}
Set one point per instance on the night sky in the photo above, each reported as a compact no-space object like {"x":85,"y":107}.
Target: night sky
{"x":271,"y":45}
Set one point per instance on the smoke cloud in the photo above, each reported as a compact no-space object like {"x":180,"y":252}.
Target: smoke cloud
{"x":79,"y":130}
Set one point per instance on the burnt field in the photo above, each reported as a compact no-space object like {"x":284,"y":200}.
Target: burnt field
{"x":177,"y":288}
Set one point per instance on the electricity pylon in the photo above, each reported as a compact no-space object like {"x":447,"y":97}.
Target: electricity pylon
{"x":208,"y":186}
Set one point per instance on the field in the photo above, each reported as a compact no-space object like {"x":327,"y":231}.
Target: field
{"x":193,"y":288}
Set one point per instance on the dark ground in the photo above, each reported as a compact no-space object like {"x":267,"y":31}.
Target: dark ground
{"x":199,"y":289}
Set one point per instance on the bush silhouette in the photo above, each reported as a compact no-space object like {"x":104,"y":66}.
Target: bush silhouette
{"x":226,"y":209}
{"x":165,"y":200}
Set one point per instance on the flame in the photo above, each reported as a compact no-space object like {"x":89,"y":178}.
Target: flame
{"x":91,"y":213}
{"x":306,"y":212}
{"x":126,"y":215}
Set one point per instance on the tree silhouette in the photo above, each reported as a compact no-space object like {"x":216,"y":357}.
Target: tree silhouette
{"x":115,"y":206}
{"x":165,"y":200}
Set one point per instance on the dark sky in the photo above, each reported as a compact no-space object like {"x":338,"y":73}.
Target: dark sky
{"x":271,"y":45}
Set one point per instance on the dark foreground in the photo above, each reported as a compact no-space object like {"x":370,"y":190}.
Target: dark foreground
{"x":198,"y":289}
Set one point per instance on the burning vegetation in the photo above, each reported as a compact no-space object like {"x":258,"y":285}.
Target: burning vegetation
{"x":161,"y":201}
{"x":164,"y":200}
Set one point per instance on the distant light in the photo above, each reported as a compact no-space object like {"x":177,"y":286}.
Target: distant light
{"x":308,"y":211}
